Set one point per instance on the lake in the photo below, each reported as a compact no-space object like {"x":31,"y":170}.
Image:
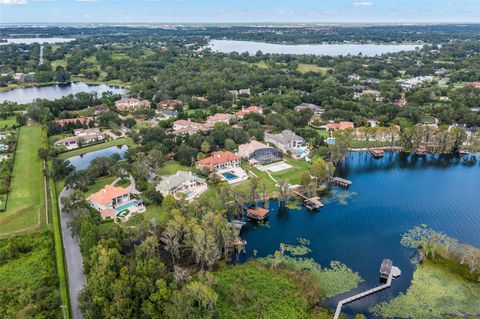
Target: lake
{"x":363,"y":225}
{"x":52,"y":92}
{"x":36,"y":40}
{"x":83,"y":161}
{"x":227,"y":46}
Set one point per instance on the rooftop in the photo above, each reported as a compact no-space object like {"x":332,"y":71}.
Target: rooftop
{"x":107,"y":194}
{"x":177,"y":179}
{"x":218,"y":157}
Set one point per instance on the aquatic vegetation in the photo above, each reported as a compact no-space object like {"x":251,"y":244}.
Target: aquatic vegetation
{"x":434,"y":292}
{"x":333,"y":280}
{"x":341,"y":196}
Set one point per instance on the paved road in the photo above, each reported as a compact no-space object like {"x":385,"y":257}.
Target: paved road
{"x":71,"y":245}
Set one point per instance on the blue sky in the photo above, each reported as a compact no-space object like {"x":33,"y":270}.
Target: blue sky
{"x":196,"y":11}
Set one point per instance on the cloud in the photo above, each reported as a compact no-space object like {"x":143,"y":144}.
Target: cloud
{"x":13,"y":2}
{"x":363,"y":4}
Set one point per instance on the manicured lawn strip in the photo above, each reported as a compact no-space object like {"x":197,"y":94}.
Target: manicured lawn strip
{"x":171,"y":167}
{"x":363,"y":144}
{"x":26,"y":198}
{"x":434,"y":292}
{"x":59,"y":251}
{"x":96,"y":147}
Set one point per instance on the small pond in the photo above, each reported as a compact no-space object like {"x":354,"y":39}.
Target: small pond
{"x":52,"y":92}
{"x":83,"y":161}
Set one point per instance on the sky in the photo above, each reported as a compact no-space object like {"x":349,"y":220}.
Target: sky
{"x":239,"y":11}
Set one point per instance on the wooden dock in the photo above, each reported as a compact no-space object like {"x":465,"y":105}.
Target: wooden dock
{"x":395,"y":272}
{"x":340,"y":181}
{"x":311,"y":203}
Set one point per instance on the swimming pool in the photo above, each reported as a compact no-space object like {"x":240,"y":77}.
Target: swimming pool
{"x":229,"y":176}
{"x":123,"y":207}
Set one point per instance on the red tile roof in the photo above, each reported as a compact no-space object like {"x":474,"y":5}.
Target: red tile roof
{"x":260,"y":212}
{"x":106,"y":194}
{"x":219,"y":157}
{"x":248,"y":110}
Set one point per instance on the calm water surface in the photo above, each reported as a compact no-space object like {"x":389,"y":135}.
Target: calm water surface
{"x":227,"y":46}
{"x":52,"y":92}
{"x":36,"y":40}
{"x":83,"y":161}
{"x":363,"y":225}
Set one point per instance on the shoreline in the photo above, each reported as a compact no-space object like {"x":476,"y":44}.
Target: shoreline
{"x":39,"y":85}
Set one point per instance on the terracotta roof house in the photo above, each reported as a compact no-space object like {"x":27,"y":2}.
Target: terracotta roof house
{"x":219,"y":160}
{"x":259,"y":153}
{"x":82,"y":120}
{"x":182,"y":182}
{"x":118,"y":199}
{"x":289,"y":143}
{"x":219,"y":118}
{"x":131,"y":104}
{"x":189,"y":127}
{"x":340,"y":126}
{"x":251,"y":109}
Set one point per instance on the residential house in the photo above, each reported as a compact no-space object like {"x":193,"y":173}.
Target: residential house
{"x":99,"y":109}
{"x":413,"y":82}
{"x":112,"y":200}
{"x":219,"y":160}
{"x":85,"y":121}
{"x":309,"y":106}
{"x":237,"y":93}
{"x":189,"y":127}
{"x":166,"y":114}
{"x":170,"y":105}
{"x":340,"y":126}
{"x":131,"y":104}
{"x":249,"y":110}
{"x":182,"y":182}
{"x":219,"y":118}
{"x":258,"y":153}
{"x":376,"y":94}
{"x":82,"y":136}
{"x":289,"y":143}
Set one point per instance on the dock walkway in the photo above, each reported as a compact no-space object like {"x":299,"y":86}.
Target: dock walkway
{"x":361,"y":295}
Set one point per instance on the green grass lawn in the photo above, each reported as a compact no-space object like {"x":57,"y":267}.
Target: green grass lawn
{"x":61,"y":62}
{"x":171,"y":167}
{"x":9,"y":121}
{"x":293,"y":174}
{"x":433,"y":293}
{"x":363,"y":144}
{"x":305,"y":68}
{"x":26,"y":199}
{"x":96,"y":147}
{"x":99,"y":184}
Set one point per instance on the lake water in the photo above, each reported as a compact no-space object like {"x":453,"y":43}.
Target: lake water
{"x":52,"y":92}
{"x":227,"y":46}
{"x":83,"y":161}
{"x":36,"y":40}
{"x":363,"y":225}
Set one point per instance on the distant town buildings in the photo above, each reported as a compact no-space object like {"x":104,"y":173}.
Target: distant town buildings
{"x":309,"y":106}
{"x":237,"y":93}
{"x":413,"y":82}
{"x":170,"y":105}
{"x":376,"y":94}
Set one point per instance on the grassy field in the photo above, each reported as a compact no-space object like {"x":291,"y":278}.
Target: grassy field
{"x":305,"y":68}
{"x":96,"y":147}
{"x":61,"y":62}
{"x":171,"y":167}
{"x":26,"y":200}
{"x":9,"y":121}
{"x":99,"y":184}
{"x":293,"y":174}
{"x":433,"y":293}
